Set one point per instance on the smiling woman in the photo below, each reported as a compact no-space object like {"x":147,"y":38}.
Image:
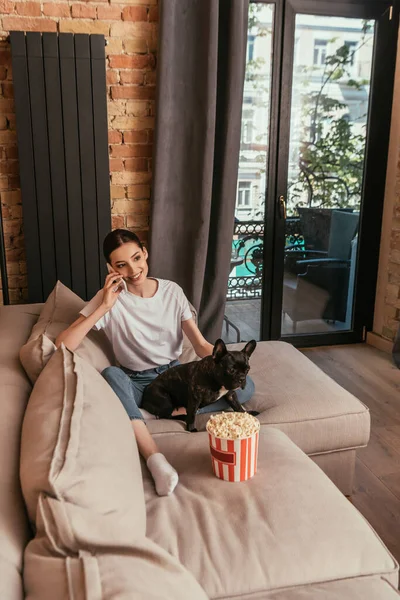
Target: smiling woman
{"x":144,"y":319}
{"x":129,"y":256}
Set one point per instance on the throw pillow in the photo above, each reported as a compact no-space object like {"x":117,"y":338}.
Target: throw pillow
{"x":77,"y":443}
{"x":60,"y":310}
{"x":58,"y":565}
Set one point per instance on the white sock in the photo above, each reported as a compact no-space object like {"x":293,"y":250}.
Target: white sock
{"x":164,"y":475}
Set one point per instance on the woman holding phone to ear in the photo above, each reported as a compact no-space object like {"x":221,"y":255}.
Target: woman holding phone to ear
{"x":143,"y":318}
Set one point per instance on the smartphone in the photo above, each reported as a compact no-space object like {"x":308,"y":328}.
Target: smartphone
{"x":122,"y":283}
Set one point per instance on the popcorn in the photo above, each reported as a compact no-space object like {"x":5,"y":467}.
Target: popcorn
{"x":232,"y":425}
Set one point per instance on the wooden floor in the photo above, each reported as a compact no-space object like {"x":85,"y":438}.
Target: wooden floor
{"x":370,"y":375}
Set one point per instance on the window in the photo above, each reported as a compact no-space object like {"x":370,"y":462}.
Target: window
{"x":247,"y":126}
{"x":352,"y":46}
{"x":250,"y":47}
{"x":244,"y":191}
{"x":247,"y":132}
{"x":320,"y":52}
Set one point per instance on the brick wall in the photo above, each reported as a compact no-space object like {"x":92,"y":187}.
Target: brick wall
{"x":387,"y":301}
{"x":130,"y":27}
{"x":391,"y":310}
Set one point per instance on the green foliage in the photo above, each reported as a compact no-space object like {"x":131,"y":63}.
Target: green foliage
{"x":331,"y":154}
{"x":254,"y":18}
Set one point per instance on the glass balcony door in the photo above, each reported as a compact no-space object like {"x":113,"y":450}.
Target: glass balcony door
{"x":244,"y":295}
{"x":314,"y":138}
{"x":336,"y":94}
{"x":331,"y":83}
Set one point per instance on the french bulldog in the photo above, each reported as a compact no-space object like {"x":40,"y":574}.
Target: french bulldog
{"x":200,"y":383}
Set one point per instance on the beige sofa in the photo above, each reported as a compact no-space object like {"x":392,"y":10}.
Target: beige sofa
{"x":79,"y":517}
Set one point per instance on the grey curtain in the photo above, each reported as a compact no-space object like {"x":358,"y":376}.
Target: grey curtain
{"x":202,"y":55}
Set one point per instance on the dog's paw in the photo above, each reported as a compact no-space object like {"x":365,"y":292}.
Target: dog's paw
{"x":177,"y":417}
{"x":253,"y":413}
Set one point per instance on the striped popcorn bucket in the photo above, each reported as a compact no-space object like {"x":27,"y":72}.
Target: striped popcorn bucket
{"x":234,"y":460}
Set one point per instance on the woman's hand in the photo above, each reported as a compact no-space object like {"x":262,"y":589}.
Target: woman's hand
{"x":111,"y":289}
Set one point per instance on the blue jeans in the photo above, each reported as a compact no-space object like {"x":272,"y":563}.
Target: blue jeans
{"x":130,"y":385}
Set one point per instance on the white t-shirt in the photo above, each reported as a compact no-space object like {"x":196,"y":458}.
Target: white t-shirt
{"x":144,"y":332}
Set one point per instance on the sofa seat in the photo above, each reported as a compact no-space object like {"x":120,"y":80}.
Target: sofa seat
{"x":365,"y":588}
{"x":288,"y":526}
{"x":294,"y":395}
{"x":297,"y":397}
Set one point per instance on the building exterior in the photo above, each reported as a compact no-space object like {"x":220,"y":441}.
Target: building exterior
{"x":317,"y":39}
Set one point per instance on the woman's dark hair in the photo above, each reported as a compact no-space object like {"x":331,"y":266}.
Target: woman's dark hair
{"x":117,"y":238}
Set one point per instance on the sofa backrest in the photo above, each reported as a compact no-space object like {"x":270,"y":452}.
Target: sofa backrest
{"x":16,"y":323}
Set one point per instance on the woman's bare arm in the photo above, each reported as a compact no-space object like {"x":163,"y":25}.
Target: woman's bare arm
{"x":75,"y":333}
{"x":199,"y":343}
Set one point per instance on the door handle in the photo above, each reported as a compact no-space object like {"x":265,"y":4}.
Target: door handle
{"x":282,"y":207}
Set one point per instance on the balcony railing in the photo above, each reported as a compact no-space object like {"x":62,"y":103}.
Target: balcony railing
{"x":247,"y":256}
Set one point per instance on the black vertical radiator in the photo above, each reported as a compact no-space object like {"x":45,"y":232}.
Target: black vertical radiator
{"x":62,"y":132}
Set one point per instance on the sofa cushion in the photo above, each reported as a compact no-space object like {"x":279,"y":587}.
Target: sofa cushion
{"x":59,"y":311}
{"x":287,"y":526}
{"x":294,"y":395}
{"x":78,"y":444}
{"x":145,"y":572}
{"x":16,"y":323}
{"x":363,"y":588}
{"x":61,"y":565}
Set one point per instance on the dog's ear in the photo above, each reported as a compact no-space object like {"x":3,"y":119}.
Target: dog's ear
{"x":219,"y":350}
{"x":249,"y":348}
